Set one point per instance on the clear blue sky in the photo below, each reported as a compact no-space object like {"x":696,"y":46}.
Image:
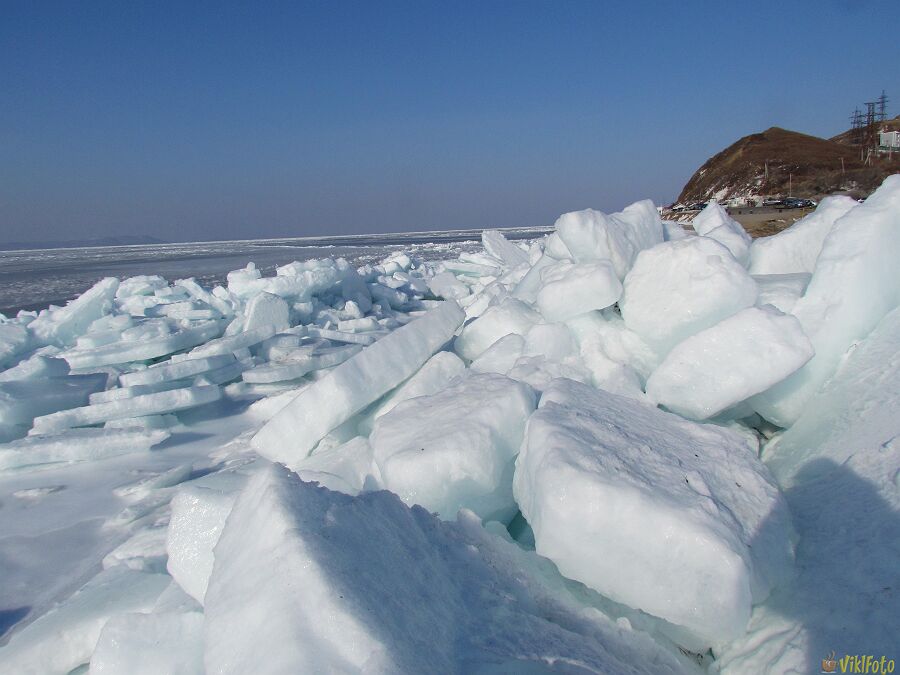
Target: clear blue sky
{"x":206,"y":120}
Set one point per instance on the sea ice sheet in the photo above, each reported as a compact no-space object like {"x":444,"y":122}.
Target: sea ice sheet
{"x":77,"y":445}
{"x":23,"y":400}
{"x":294,"y":431}
{"x":136,"y":406}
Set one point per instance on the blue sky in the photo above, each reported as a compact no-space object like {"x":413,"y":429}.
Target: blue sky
{"x":232,"y":120}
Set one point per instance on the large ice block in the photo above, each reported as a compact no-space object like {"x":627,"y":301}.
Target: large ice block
{"x":570,"y":289}
{"x":136,"y":406}
{"x":64,"y":325}
{"x":436,"y":374}
{"x":14,"y":339}
{"x":23,"y":400}
{"x":77,"y":445}
{"x":36,"y":367}
{"x":125,"y":351}
{"x":721,"y":366}
{"x":680,"y":287}
{"x":303,"y":363}
{"x":715,"y":223}
{"x":198,"y":516}
{"x":782,"y":291}
{"x":675,"y":518}
{"x":349,"y":467}
{"x":232,"y":343}
{"x":618,"y":237}
{"x":510,"y":316}
{"x":854,"y":285}
{"x":455,"y":449}
{"x":354,"y":384}
{"x":838,"y":464}
{"x":175,"y":370}
{"x":502,"y":249}
{"x":64,"y":638}
{"x":796,"y":249}
{"x":150,"y":644}
{"x":400,"y":592}
{"x":266,"y":309}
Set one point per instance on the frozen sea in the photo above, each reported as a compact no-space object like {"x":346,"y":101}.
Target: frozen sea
{"x":34,"y":279}
{"x":49,"y":547}
{"x":515,"y":479}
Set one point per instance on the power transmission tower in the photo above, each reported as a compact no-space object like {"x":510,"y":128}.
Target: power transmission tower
{"x":856,"y":127}
{"x":870,"y":112}
{"x":882,"y":106}
{"x":871,"y":139}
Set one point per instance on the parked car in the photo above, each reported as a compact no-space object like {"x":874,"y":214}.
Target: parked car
{"x":796,"y":203}
{"x":773,"y":201}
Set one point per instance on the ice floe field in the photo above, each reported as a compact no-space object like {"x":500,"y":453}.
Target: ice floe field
{"x":621,"y":447}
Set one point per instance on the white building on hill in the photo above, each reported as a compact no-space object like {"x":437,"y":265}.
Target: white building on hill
{"x":890,"y":140}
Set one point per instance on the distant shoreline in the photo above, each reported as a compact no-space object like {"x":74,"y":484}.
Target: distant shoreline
{"x":462,"y":234}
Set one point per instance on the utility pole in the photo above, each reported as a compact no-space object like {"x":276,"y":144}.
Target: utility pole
{"x":842,"y":166}
{"x":790,"y":184}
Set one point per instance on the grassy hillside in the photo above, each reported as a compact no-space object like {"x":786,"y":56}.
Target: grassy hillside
{"x":799,"y":164}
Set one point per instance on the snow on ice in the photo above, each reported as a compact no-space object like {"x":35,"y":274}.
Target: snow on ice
{"x":621,"y":447}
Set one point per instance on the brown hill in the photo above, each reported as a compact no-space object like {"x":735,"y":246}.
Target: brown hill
{"x":779,"y":162}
